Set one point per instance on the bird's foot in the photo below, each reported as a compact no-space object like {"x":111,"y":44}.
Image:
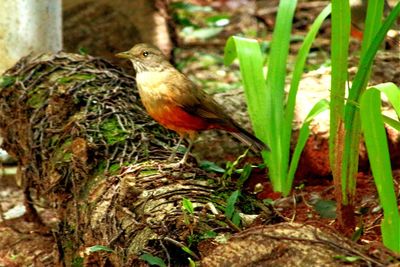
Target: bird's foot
{"x":180,"y":164}
{"x":173,"y":166}
{"x":171,"y":158}
{"x":176,"y":165}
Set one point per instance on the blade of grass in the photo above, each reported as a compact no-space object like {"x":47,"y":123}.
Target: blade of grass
{"x":339,"y":54}
{"x":367,"y":60}
{"x":373,"y":20}
{"x":251,"y":68}
{"x":318,"y":108}
{"x":230,"y":204}
{"x":392,"y":92}
{"x":378,"y":154}
{"x":278,"y":159}
{"x":291,"y":100}
{"x":152,"y":260}
{"x":353,"y":131}
{"x":352,"y":120}
{"x":298,"y":70}
{"x":340,"y":21}
{"x":391,"y":122}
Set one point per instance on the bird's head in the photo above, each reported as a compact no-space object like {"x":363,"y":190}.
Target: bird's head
{"x":145,"y":57}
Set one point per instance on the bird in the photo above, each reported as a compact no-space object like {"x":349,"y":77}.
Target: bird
{"x":176,"y":103}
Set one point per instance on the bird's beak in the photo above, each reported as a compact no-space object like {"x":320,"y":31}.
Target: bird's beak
{"x":123,"y":55}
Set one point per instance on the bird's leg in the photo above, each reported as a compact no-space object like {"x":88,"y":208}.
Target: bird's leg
{"x":181,"y":137}
{"x":183,"y":160}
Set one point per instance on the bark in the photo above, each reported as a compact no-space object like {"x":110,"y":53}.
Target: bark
{"x":87,"y":149}
{"x":289,"y":245}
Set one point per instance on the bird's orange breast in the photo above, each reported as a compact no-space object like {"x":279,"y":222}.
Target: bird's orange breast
{"x":175,"y":118}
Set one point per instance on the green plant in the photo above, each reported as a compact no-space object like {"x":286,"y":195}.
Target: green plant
{"x":345,"y":128}
{"x":372,"y":123}
{"x":188,"y":210}
{"x":152,"y":260}
{"x":346,"y":121}
{"x":231,"y":167}
{"x":339,"y":59}
{"x":97,"y":248}
{"x":270,"y":114}
{"x":230,"y":211}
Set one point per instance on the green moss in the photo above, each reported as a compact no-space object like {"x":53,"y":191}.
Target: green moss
{"x":63,"y":154}
{"x":77,"y":262}
{"x":246,"y":204}
{"x":68,"y":244}
{"x":148,"y":172}
{"x":114,"y":168}
{"x":211,"y":181}
{"x":54,"y":140}
{"x":6,"y":81}
{"x":76,"y":77}
{"x":93,"y":181}
{"x":37,"y":97}
{"x":112,"y":131}
{"x":208,"y":234}
{"x":67,"y":157}
{"x":193,"y":239}
{"x":101,"y":167}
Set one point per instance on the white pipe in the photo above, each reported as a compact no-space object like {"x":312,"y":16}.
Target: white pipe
{"x":28,"y":26}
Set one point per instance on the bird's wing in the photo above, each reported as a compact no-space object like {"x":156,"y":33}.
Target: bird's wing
{"x":196,"y":102}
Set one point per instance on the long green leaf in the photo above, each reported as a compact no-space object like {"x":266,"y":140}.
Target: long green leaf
{"x":378,"y":153}
{"x":291,"y":100}
{"x":230,"y":204}
{"x":251,"y":67}
{"x":340,"y":21}
{"x":187,"y":205}
{"x":391,"y":122}
{"x":392,"y":92}
{"x":97,"y":248}
{"x":278,"y":159}
{"x":153,"y":260}
{"x":318,"y":108}
{"x":299,"y":67}
{"x":367,"y":60}
{"x":339,"y":58}
{"x":352,"y":121}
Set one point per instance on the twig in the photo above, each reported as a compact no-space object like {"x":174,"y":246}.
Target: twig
{"x":232,"y":225}
{"x":166,"y":253}
{"x":182,"y":246}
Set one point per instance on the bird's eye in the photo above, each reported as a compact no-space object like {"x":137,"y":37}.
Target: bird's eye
{"x":145,"y":53}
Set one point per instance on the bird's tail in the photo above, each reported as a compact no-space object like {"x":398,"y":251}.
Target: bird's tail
{"x":253,"y":142}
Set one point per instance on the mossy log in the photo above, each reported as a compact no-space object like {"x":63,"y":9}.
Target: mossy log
{"x":87,"y":150}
